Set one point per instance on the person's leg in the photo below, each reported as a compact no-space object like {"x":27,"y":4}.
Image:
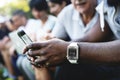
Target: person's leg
{"x":19,"y":62}
{"x":27,"y":67}
{"x":16,"y":69}
{"x":19,"y":65}
{"x":1,"y":59}
{"x":7,"y":60}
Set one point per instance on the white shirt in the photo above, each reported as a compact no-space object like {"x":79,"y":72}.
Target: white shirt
{"x":112,"y":16}
{"x":43,"y":29}
{"x":69,"y":23}
{"x":31,"y":26}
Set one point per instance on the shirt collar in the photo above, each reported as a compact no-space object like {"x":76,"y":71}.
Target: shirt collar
{"x":101,"y":9}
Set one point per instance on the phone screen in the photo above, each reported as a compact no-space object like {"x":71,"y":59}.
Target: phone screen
{"x":25,"y":38}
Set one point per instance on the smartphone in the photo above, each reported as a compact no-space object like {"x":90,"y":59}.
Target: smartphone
{"x":24,"y":37}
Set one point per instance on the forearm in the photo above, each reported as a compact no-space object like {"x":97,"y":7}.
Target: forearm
{"x":1,"y":45}
{"x":100,"y":52}
{"x":42,"y":74}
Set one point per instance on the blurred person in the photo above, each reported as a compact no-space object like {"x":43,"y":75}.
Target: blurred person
{"x":39,"y":9}
{"x":2,"y":46}
{"x":4,"y":31}
{"x":56,"y":6}
{"x":47,"y":21}
{"x":31,"y":27}
{"x":21,"y":22}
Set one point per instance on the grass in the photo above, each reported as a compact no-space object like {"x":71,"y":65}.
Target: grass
{"x":3,"y":78}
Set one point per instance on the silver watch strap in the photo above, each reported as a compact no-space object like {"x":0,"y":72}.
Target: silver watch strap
{"x":73,"y":44}
{"x":73,"y":61}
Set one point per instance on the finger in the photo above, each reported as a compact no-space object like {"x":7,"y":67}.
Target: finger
{"x":30,"y":58}
{"x":33,"y":67}
{"x":35,"y":46}
{"x":41,"y":60}
{"x":36,"y":65}
{"x":25,"y":50}
{"x":34,"y":53}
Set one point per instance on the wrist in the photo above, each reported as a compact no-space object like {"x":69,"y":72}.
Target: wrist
{"x":66,"y":44}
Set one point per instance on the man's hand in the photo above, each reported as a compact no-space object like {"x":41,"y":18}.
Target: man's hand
{"x":51,"y":52}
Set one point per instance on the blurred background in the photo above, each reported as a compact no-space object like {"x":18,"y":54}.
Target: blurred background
{"x":9,"y":6}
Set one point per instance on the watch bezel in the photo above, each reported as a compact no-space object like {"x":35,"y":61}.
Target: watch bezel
{"x":73,"y":46}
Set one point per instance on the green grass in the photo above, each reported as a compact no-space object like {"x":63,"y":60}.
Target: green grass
{"x":3,"y":78}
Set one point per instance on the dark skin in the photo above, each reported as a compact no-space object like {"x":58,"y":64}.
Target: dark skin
{"x":107,"y":52}
{"x":54,"y":51}
{"x":96,"y":35}
{"x":44,"y":48}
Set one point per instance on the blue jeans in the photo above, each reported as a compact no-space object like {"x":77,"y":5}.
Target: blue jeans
{"x":25,"y":67}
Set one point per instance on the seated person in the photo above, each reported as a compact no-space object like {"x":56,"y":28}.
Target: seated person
{"x":56,"y":6}
{"x":47,"y":23}
{"x":4,"y":48}
{"x":21,"y":22}
{"x":46,"y":20}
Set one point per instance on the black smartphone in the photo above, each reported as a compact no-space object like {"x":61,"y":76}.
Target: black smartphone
{"x":24,"y":37}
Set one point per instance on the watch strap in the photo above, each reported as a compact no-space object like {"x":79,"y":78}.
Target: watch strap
{"x":73,"y":61}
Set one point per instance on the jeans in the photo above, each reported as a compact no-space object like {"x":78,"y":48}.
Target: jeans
{"x":25,"y":67}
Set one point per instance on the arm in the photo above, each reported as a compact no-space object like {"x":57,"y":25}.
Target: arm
{"x":3,"y":43}
{"x":59,"y":30}
{"x":57,"y":48}
{"x":96,"y":35}
{"x":100,"y":52}
{"x":0,"y":45}
{"x":54,"y":51}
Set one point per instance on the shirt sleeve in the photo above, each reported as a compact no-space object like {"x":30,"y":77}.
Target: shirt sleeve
{"x":59,"y":30}
{"x":51,"y":24}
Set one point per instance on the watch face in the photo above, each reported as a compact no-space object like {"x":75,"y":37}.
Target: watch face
{"x":72,"y":52}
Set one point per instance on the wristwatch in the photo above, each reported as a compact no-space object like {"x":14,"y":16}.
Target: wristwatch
{"x":73,"y":53}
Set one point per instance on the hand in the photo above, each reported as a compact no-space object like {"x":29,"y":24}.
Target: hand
{"x":48,"y":36}
{"x":51,"y":52}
